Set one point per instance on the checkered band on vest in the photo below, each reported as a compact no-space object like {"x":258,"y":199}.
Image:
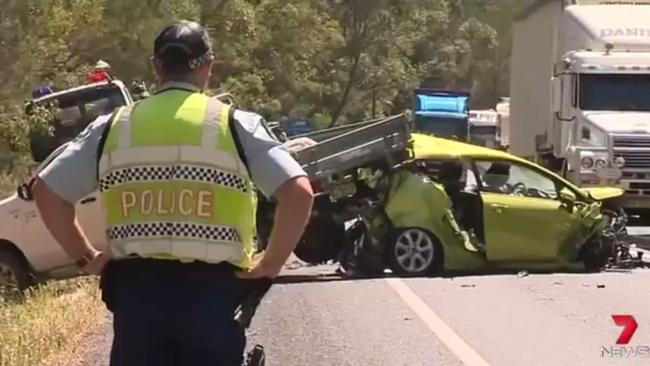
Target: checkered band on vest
{"x":154,"y":230}
{"x":153,"y":173}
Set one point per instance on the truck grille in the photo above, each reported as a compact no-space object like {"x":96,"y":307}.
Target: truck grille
{"x":634,"y":149}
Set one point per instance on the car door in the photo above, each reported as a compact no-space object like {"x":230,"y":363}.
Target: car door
{"x":47,"y":252}
{"x":42,"y":251}
{"x":524,"y":220}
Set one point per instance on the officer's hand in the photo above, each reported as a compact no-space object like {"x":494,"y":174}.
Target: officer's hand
{"x":260,"y":270}
{"x":96,"y":266}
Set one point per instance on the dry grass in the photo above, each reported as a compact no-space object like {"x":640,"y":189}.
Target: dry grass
{"x":7,"y":185}
{"x":49,"y":322}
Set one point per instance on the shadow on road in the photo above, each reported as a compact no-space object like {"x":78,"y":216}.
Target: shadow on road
{"x":335,"y":277}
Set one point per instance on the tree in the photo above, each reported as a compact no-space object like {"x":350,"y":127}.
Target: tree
{"x":332,"y":61}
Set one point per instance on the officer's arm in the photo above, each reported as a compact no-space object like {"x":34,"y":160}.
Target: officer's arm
{"x":295,"y":199}
{"x":68,"y":178}
{"x":277,"y":175}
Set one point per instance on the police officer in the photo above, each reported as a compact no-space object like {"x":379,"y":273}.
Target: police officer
{"x":176,"y":173}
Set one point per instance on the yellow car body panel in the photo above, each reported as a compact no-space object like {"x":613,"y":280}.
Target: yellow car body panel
{"x":604,"y":193}
{"x":521,"y":232}
{"x":416,"y":201}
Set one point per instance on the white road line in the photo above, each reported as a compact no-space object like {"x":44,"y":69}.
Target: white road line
{"x":465,"y":353}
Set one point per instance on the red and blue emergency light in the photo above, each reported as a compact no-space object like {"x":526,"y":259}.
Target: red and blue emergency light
{"x":98,"y":76}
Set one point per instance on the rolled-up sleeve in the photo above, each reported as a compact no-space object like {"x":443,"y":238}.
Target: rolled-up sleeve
{"x":72,"y":175}
{"x":269,"y":162}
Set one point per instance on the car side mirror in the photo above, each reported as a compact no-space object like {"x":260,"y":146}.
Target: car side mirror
{"x":24,"y":190}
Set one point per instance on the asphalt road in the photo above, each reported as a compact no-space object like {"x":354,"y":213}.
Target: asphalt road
{"x":505,"y":320}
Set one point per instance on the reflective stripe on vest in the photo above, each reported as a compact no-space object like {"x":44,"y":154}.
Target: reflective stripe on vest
{"x":172,"y":196}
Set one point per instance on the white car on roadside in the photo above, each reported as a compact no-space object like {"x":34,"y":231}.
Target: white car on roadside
{"x":28,"y":252}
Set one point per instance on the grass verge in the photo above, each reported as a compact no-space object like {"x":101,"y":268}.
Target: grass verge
{"x":49,"y":322}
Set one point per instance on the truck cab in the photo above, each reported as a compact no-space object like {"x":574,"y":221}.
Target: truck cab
{"x":580,"y":80}
{"x":503,"y":122}
{"x":483,"y":126}
{"x":28,"y":252}
{"x":442,"y":113}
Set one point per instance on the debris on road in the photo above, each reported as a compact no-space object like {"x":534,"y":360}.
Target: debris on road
{"x":522,"y":274}
{"x":293,"y":265}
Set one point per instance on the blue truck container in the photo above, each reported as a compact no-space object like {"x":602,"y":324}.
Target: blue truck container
{"x":442,"y":113}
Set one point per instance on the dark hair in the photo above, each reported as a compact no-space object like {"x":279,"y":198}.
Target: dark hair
{"x":182,"y":47}
{"x":499,"y":169}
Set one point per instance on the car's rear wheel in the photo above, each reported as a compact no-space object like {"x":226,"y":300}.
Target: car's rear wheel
{"x":414,"y":252}
{"x":14,"y":274}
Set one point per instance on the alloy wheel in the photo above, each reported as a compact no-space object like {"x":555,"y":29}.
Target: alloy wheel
{"x":414,"y":250}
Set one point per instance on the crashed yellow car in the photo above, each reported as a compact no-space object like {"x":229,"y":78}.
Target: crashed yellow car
{"x":464,"y":207}
{"x":419,"y":204}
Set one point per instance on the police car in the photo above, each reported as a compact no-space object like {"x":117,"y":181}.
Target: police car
{"x":28,"y":252}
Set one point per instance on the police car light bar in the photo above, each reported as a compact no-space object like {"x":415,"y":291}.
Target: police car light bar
{"x":98,"y":76}
{"x":42,"y":91}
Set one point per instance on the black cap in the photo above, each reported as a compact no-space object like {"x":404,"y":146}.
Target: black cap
{"x":183,"y":46}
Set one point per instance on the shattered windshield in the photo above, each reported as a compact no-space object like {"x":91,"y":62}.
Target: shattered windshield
{"x":614,"y":92}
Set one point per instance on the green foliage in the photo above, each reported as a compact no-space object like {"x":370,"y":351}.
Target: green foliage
{"x":334,"y":61}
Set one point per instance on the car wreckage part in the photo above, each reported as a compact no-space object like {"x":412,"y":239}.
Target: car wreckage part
{"x":621,"y":256}
{"x":322,"y":240}
{"x":609,"y":248}
{"x":255,"y":357}
{"x":414,"y":251}
{"x":358,"y":255}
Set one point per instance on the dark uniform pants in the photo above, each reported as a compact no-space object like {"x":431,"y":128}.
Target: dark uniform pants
{"x":167,"y":313}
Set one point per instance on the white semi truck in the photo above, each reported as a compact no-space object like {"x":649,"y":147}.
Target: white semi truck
{"x":580,"y":92}
{"x":503,"y":122}
{"x":483,"y":127}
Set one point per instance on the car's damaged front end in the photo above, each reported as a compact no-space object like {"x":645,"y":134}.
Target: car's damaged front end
{"x":589,"y":223}
{"x":608,"y":244}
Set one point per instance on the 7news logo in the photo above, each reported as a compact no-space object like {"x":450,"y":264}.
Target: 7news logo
{"x":622,"y":348}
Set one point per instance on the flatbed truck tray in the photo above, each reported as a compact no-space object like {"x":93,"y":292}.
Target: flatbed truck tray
{"x":386,"y":142}
{"x":328,"y":133}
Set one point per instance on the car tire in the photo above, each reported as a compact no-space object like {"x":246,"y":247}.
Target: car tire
{"x":14,"y":271}
{"x":414,"y":251}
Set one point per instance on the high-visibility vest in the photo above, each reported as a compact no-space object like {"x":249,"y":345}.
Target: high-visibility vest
{"x":173,"y":184}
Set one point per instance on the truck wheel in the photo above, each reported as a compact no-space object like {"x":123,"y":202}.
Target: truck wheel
{"x":14,"y":274}
{"x":414,"y":252}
